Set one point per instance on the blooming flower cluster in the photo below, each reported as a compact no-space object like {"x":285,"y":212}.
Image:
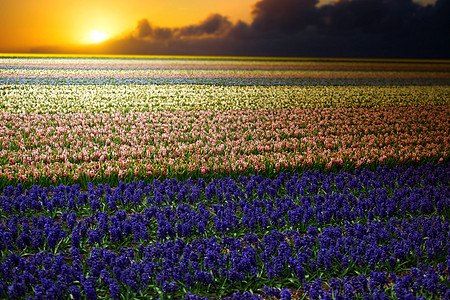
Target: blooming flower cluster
{"x":142,"y":98}
{"x":224,"y":178}
{"x":208,"y":62}
{"x":101,"y":147}
{"x":209,"y":72}
{"x":220,"y":72}
{"x":229,"y":81}
{"x":338,"y":235}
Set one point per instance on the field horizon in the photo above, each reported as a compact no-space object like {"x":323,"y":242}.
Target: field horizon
{"x":217,"y":57}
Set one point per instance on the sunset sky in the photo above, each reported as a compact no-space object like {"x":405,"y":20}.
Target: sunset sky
{"x":227,"y":27}
{"x":28,"y":23}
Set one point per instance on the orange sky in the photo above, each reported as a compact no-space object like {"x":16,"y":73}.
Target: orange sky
{"x":211,"y":27}
{"x":30,"y":23}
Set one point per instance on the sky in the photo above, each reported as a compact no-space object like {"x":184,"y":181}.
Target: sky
{"x":299,"y":28}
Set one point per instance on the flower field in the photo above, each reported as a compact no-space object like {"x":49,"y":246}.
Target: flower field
{"x":213,"y":178}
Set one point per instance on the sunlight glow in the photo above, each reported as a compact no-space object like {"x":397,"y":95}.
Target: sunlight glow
{"x":96,"y":36}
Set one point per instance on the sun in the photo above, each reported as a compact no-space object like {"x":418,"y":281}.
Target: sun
{"x":96,"y":36}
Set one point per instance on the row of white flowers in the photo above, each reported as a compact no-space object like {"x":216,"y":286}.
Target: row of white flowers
{"x":112,"y":98}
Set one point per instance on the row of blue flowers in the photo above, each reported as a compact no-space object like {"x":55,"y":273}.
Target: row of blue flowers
{"x":369,"y":234}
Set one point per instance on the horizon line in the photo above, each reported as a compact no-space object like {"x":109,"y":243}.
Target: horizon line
{"x":214,"y":57}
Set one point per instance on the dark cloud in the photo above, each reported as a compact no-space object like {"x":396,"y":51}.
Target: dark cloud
{"x":144,"y":29}
{"x":215,"y":24}
{"x":370,"y":16}
{"x":162,"y":34}
{"x":348,"y":28}
{"x":284,"y":15}
{"x":242,"y":30}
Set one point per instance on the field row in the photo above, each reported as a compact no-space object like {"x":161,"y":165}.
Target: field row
{"x":226,"y":81}
{"x":214,"y":73}
{"x":369,"y":234}
{"x":107,"y":147}
{"x":195,"y":64}
{"x":139,"y":98}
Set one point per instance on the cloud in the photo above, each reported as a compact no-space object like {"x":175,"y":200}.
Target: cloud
{"x":215,"y":25}
{"x":284,"y":15}
{"x":347,"y":28}
{"x":370,"y":16}
{"x":144,"y":29}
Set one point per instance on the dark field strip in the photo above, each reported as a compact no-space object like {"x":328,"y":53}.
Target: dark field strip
{"x":226,"y":81}
{"x":369,"y":234}
{"x":238,"y":61}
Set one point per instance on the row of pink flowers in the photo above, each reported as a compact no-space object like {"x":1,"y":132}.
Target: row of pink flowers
{"x":161,"y":143}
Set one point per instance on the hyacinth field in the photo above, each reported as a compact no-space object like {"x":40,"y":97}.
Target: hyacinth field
{"x":224,"y":178}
